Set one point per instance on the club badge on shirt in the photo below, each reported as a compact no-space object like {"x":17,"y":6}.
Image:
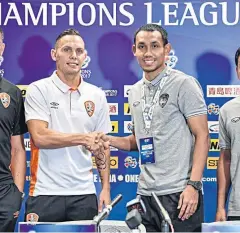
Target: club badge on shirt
{"x":32,"y":217}
{"x":90,"y":107}
{"x":5,"y":99}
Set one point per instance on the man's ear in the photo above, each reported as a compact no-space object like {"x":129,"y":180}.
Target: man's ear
{"x":134,"y":49}
{"x":168,"y":48}
{"x":2,"y":47}
{"x":53,"y":54}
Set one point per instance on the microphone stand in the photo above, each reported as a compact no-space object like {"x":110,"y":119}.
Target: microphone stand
{"x":166,"y":221}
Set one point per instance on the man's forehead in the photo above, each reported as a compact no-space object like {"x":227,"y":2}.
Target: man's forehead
{"x":70,"y":40}
{"x":148,"y":36}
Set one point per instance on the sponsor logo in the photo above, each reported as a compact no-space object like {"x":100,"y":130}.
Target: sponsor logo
{"x":223,"y":90}
{"x":212,"y":162}
{"x":5,"y":99}
{"x":213,"y":126}
{"x":213,"y":109}
{"x":113,"y":162}
{"x":128,"y":178}
{"x":209,"y":179}
{"x":27,"y":144}
{"x":113,"y":178}
{"x":90,"y":107}
{"x":235,"y":119}
{"x":113,"y":108}
{"x":171,"y":60}
{"x":86,"y":74}
{"x":130,"y":162}
{"x":86,"y":62}
{"x":111,"y":93}
{"x":214,"y":145}
{"x":23,"y":89}
{"x":126,"y":109}
{"x":128,"y":127}
{"x":127,"y":89}
{"x":114,"y":126}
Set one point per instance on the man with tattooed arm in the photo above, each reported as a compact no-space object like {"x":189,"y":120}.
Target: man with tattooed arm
{"x":64,"y":114}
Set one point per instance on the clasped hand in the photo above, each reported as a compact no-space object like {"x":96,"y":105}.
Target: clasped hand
{"x":97,"y":142}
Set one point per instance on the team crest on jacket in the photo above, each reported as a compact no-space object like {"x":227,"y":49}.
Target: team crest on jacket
{"x":90,"y":107}
{"x":163,"y":99}
{"x":32,"y":217}
{"x":5,"y":99}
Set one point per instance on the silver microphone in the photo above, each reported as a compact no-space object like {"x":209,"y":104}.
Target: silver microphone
{"x":98,"y":218}
{"x":163,"y":212}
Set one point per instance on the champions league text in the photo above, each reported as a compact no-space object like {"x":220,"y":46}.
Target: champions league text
{"x":88,"y":14}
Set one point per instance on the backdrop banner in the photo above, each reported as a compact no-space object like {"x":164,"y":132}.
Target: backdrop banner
{"x":204,"y":36}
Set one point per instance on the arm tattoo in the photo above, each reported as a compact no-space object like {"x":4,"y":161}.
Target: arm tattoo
{"x":101,"y":161}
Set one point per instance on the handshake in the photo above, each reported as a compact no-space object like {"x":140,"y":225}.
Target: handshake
{"x":97,"y":142}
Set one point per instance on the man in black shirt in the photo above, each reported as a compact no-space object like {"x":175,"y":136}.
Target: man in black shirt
{"x":12,"y":151}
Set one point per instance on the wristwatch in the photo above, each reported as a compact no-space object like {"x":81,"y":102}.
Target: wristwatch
{"x":196,"y":184}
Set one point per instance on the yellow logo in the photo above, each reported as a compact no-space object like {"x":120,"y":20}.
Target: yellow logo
{"x":214,"y":146}
{"x":212,"y":162}
{"x":23,"y":89}
{"x":126,"y":109}
{"x":113,"y":162}
{"x":114,"y":126}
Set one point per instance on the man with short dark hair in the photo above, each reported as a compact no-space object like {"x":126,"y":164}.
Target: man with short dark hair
{"x":169,"y":115}
{"x":12,"y":151}
{"x":228,"y":172}
{"x":63,"y":113}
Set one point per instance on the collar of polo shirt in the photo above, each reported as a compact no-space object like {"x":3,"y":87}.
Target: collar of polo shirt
{"x":64,"y":87}
{"x":155,"y":81}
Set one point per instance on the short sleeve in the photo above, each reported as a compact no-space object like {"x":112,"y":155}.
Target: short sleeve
{"x":104,"y":123}
{"x":190,"y":99}
{"x":19,"y":126}
{"x":224,"y":139}
{"x":35,"y":104}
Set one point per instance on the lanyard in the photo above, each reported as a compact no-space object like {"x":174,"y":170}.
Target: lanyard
{"x":147,"y":108}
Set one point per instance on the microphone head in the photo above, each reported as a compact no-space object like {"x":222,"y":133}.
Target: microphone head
{"x":133,"y":219}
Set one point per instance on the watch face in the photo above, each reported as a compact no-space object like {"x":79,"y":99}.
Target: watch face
{"x":199,"y":185}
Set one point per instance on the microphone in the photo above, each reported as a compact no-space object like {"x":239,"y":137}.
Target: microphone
{"x":138,"y":204}
{"x":98,"y":218}
{"x":163,"y":212}
{"x":133,"y":219}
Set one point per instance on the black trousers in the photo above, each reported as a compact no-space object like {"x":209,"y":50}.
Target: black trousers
{"x":10,"y":204}
{"x":152,"y":220}
{"x":61,"y":208}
